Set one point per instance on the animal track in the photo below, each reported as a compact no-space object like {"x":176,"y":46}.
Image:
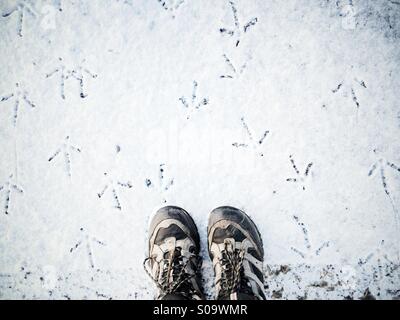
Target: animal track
{"x":113,"y":185}
{"x":235,"y":72}
{"x":171,"y":6}
{"x":80,"y":4}
{"x":59,"y":5}
{"x":8,"y":187}
{"x":163,"y":184}
{"x":352,"y":91}
{"x":66,"y":148}
{"x":398,"y":118}
{"x":310,"y":252}
{"x":87,"y":241}
{"x":20,"y":8}
{"x":195,"y":103}
{"x":376,"y":253}
{"x":381,"y":265}
{"x":380,"y":166}
{"x":255,"y":144}
{"x":127,"y":2}
{"x":300,"y":178}
{"x":79,"y":73}
{"x":18,"y":94}
{"x":237,"y":29}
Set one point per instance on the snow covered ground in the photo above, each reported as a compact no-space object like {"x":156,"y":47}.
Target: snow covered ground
{"x":295,"y":119}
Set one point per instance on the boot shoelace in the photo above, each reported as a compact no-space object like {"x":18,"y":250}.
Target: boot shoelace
{"x":174,"y":278}
{"x":232,"y":278}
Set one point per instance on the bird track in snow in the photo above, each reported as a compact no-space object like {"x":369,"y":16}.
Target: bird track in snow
{"x":377,"y":253}
{"x":380,"y":167}
{"x":20,"y":8}
{"x":112,"y":185}
{"x":171,"y":6}
{"x":59,"y":5}
{"x":354,"y":97}
{"x":80,"y":4}
{"x":310,"y":251}
{"x":78,"y":73}
{"x":300,"y":178}
{"x":380,"y":263}
{"x":163,"y":184}
{"x":66,"y":148}
{"x":235,"y":72}
{"x":17,"y":95}
{"x":87,"y":241}
{"x":237,"y":29}
{"x":126,"y":2}
{"x":194,"y":103}
{"x":8,"y":187}
{"x":252,"y":142}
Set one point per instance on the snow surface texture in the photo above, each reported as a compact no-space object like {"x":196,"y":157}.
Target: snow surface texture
{"x":288,"y":110}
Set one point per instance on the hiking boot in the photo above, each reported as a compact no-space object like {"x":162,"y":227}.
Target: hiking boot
{"x":236,"y":251}
{"x":173,"y":255}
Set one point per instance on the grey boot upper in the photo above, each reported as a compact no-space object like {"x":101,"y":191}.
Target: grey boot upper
{"x":173,"y":261}
{"x":237,"y":254}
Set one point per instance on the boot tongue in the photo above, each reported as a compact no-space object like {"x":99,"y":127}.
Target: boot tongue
{"x":229,"y":245}
{"x":170,"y":243}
